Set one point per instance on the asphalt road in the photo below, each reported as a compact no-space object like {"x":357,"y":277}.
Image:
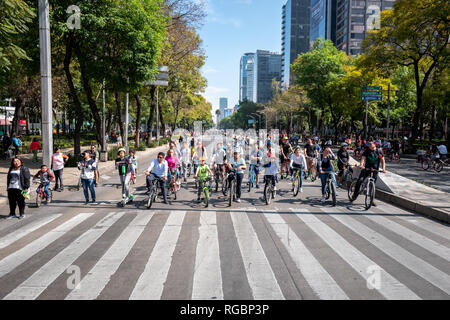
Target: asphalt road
{"x":295,"y":248}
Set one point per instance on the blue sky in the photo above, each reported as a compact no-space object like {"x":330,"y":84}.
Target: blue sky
{"x":232,"y":28}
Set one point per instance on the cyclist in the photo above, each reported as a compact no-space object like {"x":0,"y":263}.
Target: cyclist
{"x":159,"y":168}
{"x":134,"y":161}
{"x":298,"y":162}
{"x":370,"y":159}
{"x":125,"y":166}
{"x":285,"y":149}
{"x":219,"y":159}
{"x":202,"y":173}
{"x":325,"y":167}
{"x":442,"y":149}
{"x":173,"y":147}
{"x":311,"y":153}
{"x":87,"y":166}
{"x":343,"y":157}
{"x":46,"y":177}
{"x":255,"y":162}
{"x":238,"y":164}
{"x":185,"y":159}
{"x":172,"y":162}
{"x":271,"y":170}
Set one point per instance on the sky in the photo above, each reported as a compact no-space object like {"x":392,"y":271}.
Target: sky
{"x":232,"y":28}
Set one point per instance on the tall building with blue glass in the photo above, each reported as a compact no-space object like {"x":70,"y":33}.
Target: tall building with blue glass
{"x":322,"y":21}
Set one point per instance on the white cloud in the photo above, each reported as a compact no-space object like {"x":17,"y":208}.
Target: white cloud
{"x":225,"y":21}
{"x":209,"y":70}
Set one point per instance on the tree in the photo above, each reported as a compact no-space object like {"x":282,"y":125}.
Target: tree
{"x":414,"y":34}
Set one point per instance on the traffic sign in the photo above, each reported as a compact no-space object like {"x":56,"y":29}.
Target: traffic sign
{"x":371,"y":93}
{"x":371,"y":98}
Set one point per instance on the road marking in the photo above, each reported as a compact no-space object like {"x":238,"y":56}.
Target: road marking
{"x":23,"y":231}
{"x":391,"y":288}
{"x":412,"y":236}
{"x":207,"y":282}
{"x":150,"y":284}
{"x":402,"y":256}
{"x":98,"y":277}
{"x":317,"y":277}
{"x":15,"y":259}
{"x":41,"y":279}
{"x":260,"y":275}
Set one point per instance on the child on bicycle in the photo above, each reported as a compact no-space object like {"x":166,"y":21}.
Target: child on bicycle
{"x":271,"y":169}
{"x":46,"y":177}
{"x":298,"y":163}
{"x":202,"y":174}
{"x":125,"y":167}
{"x":172,"y":161}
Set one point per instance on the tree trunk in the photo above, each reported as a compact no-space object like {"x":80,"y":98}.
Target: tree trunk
{"x":161,"y":120}
{"x":151,"y":115}
{"x":109,"y":121}
{"x":138,"y":121}
{"x":432,"y":125}
{"x":119,"y":114}
{"x":17,"y":112}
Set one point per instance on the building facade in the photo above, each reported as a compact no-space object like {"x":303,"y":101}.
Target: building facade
{"x":223,"y":105}
{"x":246,"y":77}
{"x":295,"y":33}
{"x":322,"y":21}
{"x":354,"y":18}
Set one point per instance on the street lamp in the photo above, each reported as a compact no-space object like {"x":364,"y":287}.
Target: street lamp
{"x":367,"y":103}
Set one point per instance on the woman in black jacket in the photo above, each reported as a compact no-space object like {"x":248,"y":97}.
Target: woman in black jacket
{"x":18,"y":181}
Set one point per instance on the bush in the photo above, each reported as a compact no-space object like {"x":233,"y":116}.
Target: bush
{"x":142,"y":147}
{"x":153,"y":144}
{"x":112,"y":153}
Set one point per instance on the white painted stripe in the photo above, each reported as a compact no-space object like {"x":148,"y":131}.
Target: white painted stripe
{"x":18,"y":257}
{"x":421,"y":222}
{"x":98,"y":277}
{"x":48,"y":273}
{"x":317,"y":277}
{"x":402,"y":256}
{"x":412,"y":236}
{"x":150,"y":284}
{"x":390,"y":287}
{"x":207,"y":282}
{"x":260,"y":275}
{"x":23,"y":231}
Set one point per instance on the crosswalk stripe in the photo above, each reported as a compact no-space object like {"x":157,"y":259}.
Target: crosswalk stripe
{"x":317,"y":277}
{"x":412,"y":236}
{"x":260,"y":275}
{"x":42,"y":278}
{"x":435,"y":228}
{"x":98,"y":277}
{"x":151,"y":282}
{"x":23,"y":231}
{"x":391,"y":287}
{"x":207,"y":282}
{"x":15,"y":259}
{"x":420,"y":267}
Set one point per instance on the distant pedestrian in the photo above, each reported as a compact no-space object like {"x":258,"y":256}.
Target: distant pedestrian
{"x":119,"y":140}
{"x":88,"y":167}
{"x":17,"y":144}
{"x":6,"y":142}
{"x":34,"y":148}
{"x":18,"y":185}
{"x":57,"y":165}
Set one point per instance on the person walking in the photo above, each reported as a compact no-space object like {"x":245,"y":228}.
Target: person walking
{"x":88,"y":167}
{"x":34,"y":148}
{"x":58,"y":160}
{"x":18,"y":185}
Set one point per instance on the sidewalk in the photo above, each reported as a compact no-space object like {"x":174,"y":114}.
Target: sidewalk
{"x":412,"y":195}
{"x":70,"y":175}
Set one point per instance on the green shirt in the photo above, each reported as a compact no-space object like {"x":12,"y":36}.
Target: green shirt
{"x":202,"y":172}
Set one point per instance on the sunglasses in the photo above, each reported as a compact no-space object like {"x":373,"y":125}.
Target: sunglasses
{"x":160,"y":157}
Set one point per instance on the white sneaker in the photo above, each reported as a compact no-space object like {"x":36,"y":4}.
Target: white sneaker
{"x":275,"y":188}
{"x":238,"y":200}
{"x":322,"y":200}
{"x":301,"y":190}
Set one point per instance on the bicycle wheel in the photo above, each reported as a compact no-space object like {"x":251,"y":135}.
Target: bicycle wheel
{"x":250,"y":182}
{"x":232,"y":191}
{"x":328,"y":191}
{"x":370,"y":194}
{"x":178,"y":183}
{"x":312,"y":175}
{"x":267,"y":193}
{"x":351,"y":190}
{"x":333,"y":193}
{"x":50,"y":199}
{"x":206,"y":196}
{"x":174,"y":189}
{"x":189,"y":170}
{"x":438,"y":165}
{"x":296,"y":184}
{"x":150,"y":200}
{"x":426,"y":164}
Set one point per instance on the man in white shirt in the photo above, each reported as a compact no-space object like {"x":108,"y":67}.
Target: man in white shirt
{"x":185,"y":158}
{"x":159,"y":169}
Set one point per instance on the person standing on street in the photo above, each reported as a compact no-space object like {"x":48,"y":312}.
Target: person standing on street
{"x":18,"y":184}
{"x":34,"y":148}
{"x":58,"y":160}
{"x":96,"y":156}
{"x":17,"y":144}
{"x":6,"y":142}
{"x":238,"y":164}
{"x":87,"y":167}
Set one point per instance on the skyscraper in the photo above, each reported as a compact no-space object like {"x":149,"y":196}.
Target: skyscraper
{"x":294,"y":35}
{"x":322,"y":21}
{"x":257,"y":70}
{"x":223,"y":104}
{"x":354,"y":19}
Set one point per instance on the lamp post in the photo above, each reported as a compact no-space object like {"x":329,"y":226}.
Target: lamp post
{"x":367,"y":103}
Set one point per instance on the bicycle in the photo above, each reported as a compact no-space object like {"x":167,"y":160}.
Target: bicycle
{"x":394,"y":155}
{"x":269,"y":192}
{"x":439,"y":164}
{"x":41,"y":194}
{"x":206,"y":189}
{"x":251,"y":177}
{"x":172,"y":187}
{"x":312,"y":171}
{"x":231,"y":185}
{"x":367,"y":187}
{"x":330,"y":188}
{"x":7,"y":155}
{"x":296,"y":180}
{"x":153,"y":194}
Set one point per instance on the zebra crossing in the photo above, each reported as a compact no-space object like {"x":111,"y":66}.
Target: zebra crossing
{"x":249,"y":253}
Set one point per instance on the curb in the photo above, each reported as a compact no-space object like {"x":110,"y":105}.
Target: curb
{"x":413,"y":206}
